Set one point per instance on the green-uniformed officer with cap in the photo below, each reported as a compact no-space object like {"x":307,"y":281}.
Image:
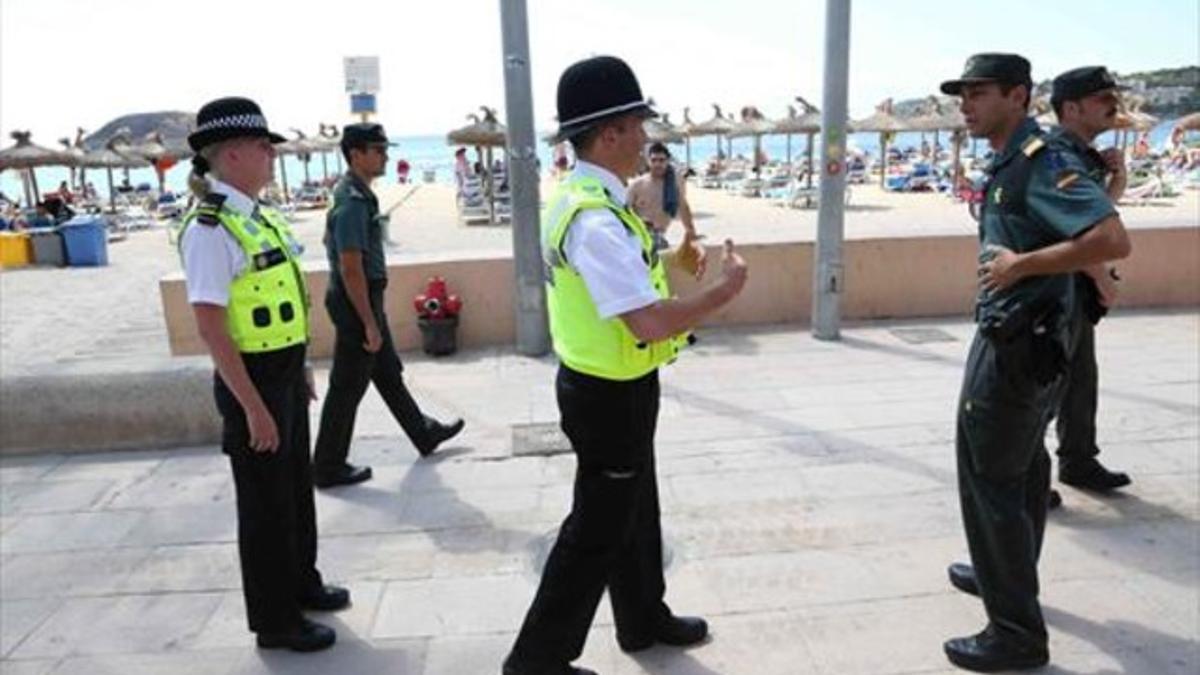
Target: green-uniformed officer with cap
{"x":363,"y":350}
{"x":248,"y":295}
{"x":1086,"y":102}
{"x":614,"y":323}
{"x":1040,"y":223}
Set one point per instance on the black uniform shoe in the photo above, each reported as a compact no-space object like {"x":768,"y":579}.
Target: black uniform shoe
{"x":326,"y":599}
{"x":310,"y":636}
{"x":1090,"y":474}
{"x":346,"y":474}
{"x":677,"y":631}
{"x":514,"y":667}
{"x":962,"y":577}
{"x":437,"y":433}
{"x":988,"y":653}
{"x":1053,"y":500}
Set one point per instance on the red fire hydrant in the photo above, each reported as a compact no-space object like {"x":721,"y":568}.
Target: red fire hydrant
{"x":437,"y":317}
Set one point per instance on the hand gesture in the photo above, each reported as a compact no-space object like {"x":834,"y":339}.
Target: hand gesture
{"x":692,"y":256}
{"x":999,"y":272}
{"x":733,"y":268}
{"x":374,"y":340}
{"x":264,"y":435}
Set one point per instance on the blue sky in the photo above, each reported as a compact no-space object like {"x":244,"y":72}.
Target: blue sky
{"x":442,"y":59}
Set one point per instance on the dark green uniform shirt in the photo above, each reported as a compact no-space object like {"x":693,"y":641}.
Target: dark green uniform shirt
{"x":1061,"y":202}
{"x":352,"y":224}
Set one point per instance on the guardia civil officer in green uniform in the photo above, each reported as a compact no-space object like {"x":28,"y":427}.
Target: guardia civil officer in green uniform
{"x":363,"y":351}
{"x":251,"y":306}
{"x":1086,"y":102}
{"x":1040,"y":223}
{"x":614,"y":323}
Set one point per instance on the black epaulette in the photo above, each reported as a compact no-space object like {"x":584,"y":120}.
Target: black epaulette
{"x":210,"y":207}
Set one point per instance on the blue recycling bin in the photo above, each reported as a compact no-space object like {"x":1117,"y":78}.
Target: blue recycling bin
{"x":85,"y":239}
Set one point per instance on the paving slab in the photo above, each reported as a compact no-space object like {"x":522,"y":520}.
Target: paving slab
{"x":809,"y":505}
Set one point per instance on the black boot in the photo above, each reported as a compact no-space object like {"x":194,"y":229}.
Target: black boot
{"x":962,"y":577}
{"x":437,"y":433}
{"x":987,"y":652}
{"x":1090,"y":474}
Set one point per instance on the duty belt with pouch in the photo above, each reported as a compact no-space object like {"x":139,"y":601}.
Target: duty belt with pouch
{"x":1033,"y":329}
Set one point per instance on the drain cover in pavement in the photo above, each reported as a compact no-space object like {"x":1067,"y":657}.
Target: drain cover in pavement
{"x":918,"y":336}
{"x":539,"y":438}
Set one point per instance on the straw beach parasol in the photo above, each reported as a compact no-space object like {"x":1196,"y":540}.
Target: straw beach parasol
{"x":26,"y":155}
{"x":807,"y":123}
{"x":662,"y":131}
{"x":718,"y":126}
{"x":484,"y":134}
{"x":754,"y":124}
{"x":107,"y":158}
{"x":886,"y":123}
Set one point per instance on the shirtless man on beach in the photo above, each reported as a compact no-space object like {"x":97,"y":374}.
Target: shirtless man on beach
{"x":646,"y":197}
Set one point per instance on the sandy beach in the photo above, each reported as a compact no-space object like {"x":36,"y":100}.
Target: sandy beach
{"x":100,"y":319}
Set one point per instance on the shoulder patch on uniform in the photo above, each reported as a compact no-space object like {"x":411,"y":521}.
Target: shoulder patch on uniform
{"x":206,"y":217}
{"x":1032,"y":145}
{"x":355,"y":193}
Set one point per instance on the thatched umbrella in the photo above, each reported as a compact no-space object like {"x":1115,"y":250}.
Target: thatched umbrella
{"x":484,"y":134}
{"x":718,"y":126}
{"x":327,"y":137}
{"x":937,"y":116}
{"x":1190,"y":122}
{"x":161,"y":154}
{"x":304,"y":149}
{"x":75,"y":151}
{"x":686,"y":128}
{"x":886,"y":123}
{"x":26,"y":155}
{"x":109,"y":159}
{"x":807,"y":123}
{"x":754,"y":124}
{"x":662,"y":131}
{"x":282,"y":150}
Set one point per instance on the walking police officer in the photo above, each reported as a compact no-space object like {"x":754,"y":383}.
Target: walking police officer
{"x":363,"y":349}
{"x":614,"y":323}
{"x":1086,"y":101}
{"x":1041,"y":222}
{"x":251,"y":306}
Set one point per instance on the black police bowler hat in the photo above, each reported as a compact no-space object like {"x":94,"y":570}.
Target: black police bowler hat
{"x":231,"y":117}
{"x":594,"y":90}
{"x":363,"y":134}
{"x":982,"y":68}
{"x":1080,"y":82}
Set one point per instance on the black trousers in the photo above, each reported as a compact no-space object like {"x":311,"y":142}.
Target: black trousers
{"x":277,"y":525}
{"x":612,"y":537}
{"x":1076,"y":424}
{"x":353,"y":369}
{"x":1003,"y":481}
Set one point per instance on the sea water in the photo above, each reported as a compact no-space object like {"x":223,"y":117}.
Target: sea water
{"x":432,"y":153}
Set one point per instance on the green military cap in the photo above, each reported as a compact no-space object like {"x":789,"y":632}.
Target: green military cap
{"x":1082,"y":82}
{"x":982,"y":68}
{"x":363,"y":134}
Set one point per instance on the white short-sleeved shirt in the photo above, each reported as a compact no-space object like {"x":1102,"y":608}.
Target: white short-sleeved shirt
{"x":606,"y":254}
{"x":212,"y":257}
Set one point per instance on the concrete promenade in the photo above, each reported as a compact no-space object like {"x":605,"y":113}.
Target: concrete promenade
{"x":809,"y":505}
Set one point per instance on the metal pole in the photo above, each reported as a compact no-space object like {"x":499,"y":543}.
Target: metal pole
{"x":827,"y":265}
{"x":533,"y":331}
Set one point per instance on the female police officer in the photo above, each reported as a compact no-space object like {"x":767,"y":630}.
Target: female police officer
{"x":614,"y":323}
{"x":251,"y":307}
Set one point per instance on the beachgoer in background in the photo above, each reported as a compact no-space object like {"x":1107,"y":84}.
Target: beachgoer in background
{"x":402,"y":169}
{"x":363,"y":350}
{"x":65,"y":194}
{"x":660,"y":196}
{"x":247,"y":292}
